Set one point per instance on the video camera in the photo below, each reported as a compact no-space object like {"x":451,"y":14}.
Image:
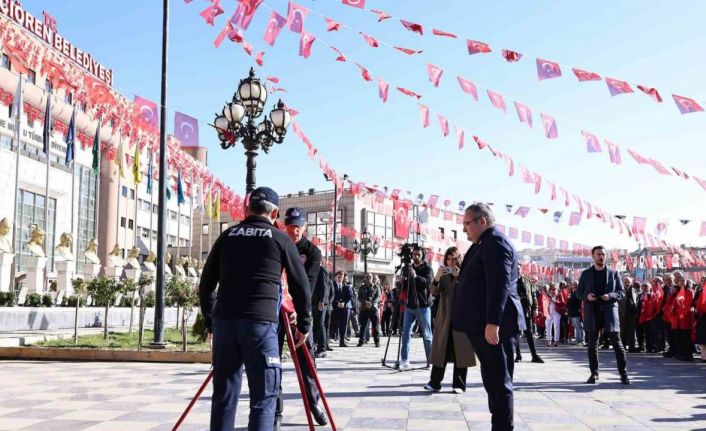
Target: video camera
{"x":405,"y":253}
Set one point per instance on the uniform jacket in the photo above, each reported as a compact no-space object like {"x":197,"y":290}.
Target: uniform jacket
{"x":464,"y":355}
{"x":614,"y":289}
{"x":486,"y":290}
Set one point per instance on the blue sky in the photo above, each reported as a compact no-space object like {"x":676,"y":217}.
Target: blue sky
{"x":657,"y":44}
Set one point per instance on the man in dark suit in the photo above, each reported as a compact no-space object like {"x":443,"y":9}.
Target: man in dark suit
{"x":600,"y":289}
{"x":319,"y":301}
{"x":342,"y":296}
{"x":487,"y":308}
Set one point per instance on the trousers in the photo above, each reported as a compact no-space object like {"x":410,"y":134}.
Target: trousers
{"x":614,"y":337}
{"x":312,"y":392}
{"x":371,"y":316}
{"x":253,"y":344}
{"x":410,"y":316}
{"x":340,"y":323}
{"x":578,"y":328}
{"x":530,"y":339}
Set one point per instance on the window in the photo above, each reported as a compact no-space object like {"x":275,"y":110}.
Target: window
{"x":171,"y":241}
{"x":6,"y":63}
{"x":185,"y":220}
{"x":127,"y":193}
{"x":318,"y":226}
{"x":143,"y":205}
{"x":454,"y":234}
{"x":47,"y":85}
{"x":155,"y":209}
{"x":6,"y":142}
{"x":86,"y":208}
{"x":144,"y":232}
{"x":10,"y":108}
{"x":122,"y":221}
{"x":380,"y":226}
{"x":442,"y":232}
{"x":81,"y":106}
{"x":204,"y":229}
{"x":130,"y":224}
{"x":31,"y":76}
{"x":172,"y":215}
{"x":30,"y":212}
{"x":224,"y":225}
{"x":68,"y":98}
{"x":123,"y":191}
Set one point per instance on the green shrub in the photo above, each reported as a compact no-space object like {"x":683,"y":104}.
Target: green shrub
{"x":7,"y":299}
{"x":33,"y":300}
{"x":150,"y":299}
{"x":199,"y":329}
{"x":71,"y":301}
{"x":46,"y":300}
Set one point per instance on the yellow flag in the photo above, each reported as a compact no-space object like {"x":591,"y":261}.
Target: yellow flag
{"x":136,"y":166}
{"x":120,"y":159}
{"x":217,"y":205}
{"x":207,"y":204}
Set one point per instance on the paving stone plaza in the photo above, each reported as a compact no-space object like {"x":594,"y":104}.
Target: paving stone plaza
{"x":665,"y":395}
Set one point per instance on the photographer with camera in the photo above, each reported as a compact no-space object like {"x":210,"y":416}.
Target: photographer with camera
{"x":416,"y":279}
{"x":369,"y":303}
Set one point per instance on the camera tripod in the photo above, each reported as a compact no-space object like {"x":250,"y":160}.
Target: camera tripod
{"x":407,"y":285}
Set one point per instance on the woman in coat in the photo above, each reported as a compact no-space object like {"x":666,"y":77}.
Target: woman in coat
{"x":448,"y":345}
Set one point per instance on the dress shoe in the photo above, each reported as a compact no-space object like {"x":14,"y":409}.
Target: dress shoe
{"x":377,"y":343}
{"x":431,"y":388}
{"x":343,"y":345}
{"x":360,"y":343}
{"x":329,"y":349}
{"x":537,"y":360}
{"x":593,"y":379}
{"x":668,"y":354}
{"x":624,"y":379}
{"x":320,"y":354}
{"x":518,"y":358}
{"x":278,"y":423}
{"x":319,"y":415}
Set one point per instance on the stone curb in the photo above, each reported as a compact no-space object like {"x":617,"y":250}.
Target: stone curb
{"x":51,"y":353}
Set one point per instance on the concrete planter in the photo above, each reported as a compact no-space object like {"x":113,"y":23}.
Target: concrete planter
{"x":53,"y":354}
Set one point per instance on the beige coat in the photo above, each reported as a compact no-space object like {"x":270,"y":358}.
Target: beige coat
{"x":464,"y":355}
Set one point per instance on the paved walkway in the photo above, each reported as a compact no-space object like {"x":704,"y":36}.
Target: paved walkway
{"x":665,"y":394}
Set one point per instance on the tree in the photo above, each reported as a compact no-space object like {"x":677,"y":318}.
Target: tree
{"x":104,"y":291}
{"x":79,"y":286}
{"x":185,"y":296}
{"x":129,"y":288}
{"x":143,"y":283}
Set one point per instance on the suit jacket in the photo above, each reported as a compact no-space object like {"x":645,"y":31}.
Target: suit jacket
{"x":609,"y":309}
{"x":321,"y":289}
{"x":486,"y":290}
{"x":343,"y":294}
{"x":370,"y":293}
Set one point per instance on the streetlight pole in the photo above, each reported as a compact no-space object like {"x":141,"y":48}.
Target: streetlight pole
{"x":237,"y":122}
{"x":335,"y":216}
{"x":365,"y":247}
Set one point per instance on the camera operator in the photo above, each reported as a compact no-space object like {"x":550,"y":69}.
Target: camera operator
{"x":369,"y":303}
{"x":600,"y":288}
{"x":246,"y":263}
{"x":310,"y":257}
{"x":417,"y":280}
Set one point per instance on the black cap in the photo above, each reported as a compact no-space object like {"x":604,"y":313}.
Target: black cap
{"x":295,"y":216}
{"x":265,"y":194}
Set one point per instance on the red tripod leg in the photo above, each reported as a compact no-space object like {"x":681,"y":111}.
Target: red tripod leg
{"x":193,"y":401}
{"x":310,"y":361}
{"x":297,"y":368}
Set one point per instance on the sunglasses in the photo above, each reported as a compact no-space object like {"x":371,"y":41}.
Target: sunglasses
{"x":473,"y":220}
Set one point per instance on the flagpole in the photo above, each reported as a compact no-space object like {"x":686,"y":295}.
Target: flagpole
{"x":201,"y":222}
{"x":151,"y":205}
{"x":96,"y":171}
{"x":47,"y":144}
{"x":18,"y":134}
{"x":191,"y":217}
{"x":74,"y":233}
{"x":210,"y":218}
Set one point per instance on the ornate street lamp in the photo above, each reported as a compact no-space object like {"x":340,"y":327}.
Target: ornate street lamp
{"x":237,"y":122}
{"x":365,"y":247}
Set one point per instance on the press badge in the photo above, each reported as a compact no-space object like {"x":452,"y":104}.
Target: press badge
{"x":273,"y":360}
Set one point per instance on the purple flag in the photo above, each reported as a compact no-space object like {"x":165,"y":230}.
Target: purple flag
{"x":186,"y":130}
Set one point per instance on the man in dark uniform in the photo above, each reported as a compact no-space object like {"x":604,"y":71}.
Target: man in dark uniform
{"x":246,"y":263}
{"x":310,"y":257}
{"x":320,"y":301}
{"x":528,"y":299}
{"x":600,"y":288}
{"x":369,"y":303}
{"x":342,"y":296}
{"x":486,"y":307}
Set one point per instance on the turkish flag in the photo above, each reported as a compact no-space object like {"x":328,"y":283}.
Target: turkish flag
{"x":274,"y":26}
{"x":638,"y":225}
{"x":547,"y":69}
{"x":401,"y":221}
{"x":460,"y":135}
{"x":618,"y":87}
{"x":539,"y":240}
{"x":550,"y":128}
{"x":614,"y":152}
{"x":341,"y":57}
{"x":584,"y":75}
{"x":383,"y":88}
{"x":526,"y":175}
{"x":551,"y":243}
{"x":210,"y":13}
{"x":305,"y":42}
{"x":433,"y":199}
{"x":97,"y":91}
{"x":511,"y":56}
{"x":409,"y":92}
{"x":360,"y":4}
{"x":537,"y":183}
{"x":146,"y":117}
{"x":702,"y":232}
{"x":652,"y":92}
{"x":522,"y":211}
{"x":413,"y":27}
{"x":475,"y":47}
{"x":258,"y":58}
{"x":370,"y":40}
{"x":593,"y":145}
{"x":55,"y":74}
{"x":566,"y":196}
{"x":686,"y":105}
{"x":435,"y":73}
{"x":423,"y":114}
{"x":437,"y":32}
{"x":186,"y":130}
{"x":381,"y":15}
{"x":444,"y":124}
{"x":513,"y":233}
{"x":468,"y":87}
{"x":524,"y":113}
{"x":479,"y":142}
{"x":296,"y":15}
{"x":18,"y":57}
{"x":497,"y":100}
{"x":332,"y":25}
{"x":639,"y":158}
{"x":407,"y":51}
{"x":659,"y":167}
{"x":244,"y":13}
{"x":364,"y":72}
{"x":510,"y":167}
{"x":526,"y":236}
